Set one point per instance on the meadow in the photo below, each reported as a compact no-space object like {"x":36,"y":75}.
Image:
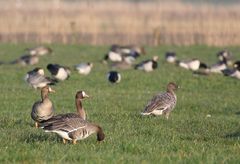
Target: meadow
{"x":189,"y":136}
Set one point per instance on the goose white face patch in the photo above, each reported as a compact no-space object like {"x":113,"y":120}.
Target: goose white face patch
{"x":41,"y":72}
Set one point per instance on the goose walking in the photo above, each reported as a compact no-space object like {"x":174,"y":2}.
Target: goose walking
{"x":162,"y":103}
{"x":59,"y":72}
{"x":72,"y":126}
{"x":43,"y":109}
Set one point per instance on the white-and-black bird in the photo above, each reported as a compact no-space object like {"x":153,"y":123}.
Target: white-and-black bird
{"x":114,"y":77}
{"x":112,"y":57}
{"x":219,"y":67}
{"x":36,"y":78}
{"x":170,"y":57}
{"x":192,"y":64}
{"x":59,"y":72}
{"x":84,"y":68}
{"x":235,"y":72}
{"x":162,"y":103}
{"x":148,"y":65}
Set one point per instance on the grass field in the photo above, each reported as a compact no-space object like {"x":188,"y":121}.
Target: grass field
{"x":187,"y":137}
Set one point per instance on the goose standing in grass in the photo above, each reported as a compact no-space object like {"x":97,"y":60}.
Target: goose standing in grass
{"x":39,"y":51}
{"x":114,"y":77}
{"x":162,"y":103}
{"x":84,"y":68}
{"x":26,"y":60}
{"x":36,"y":78}
{"x":59,"y":72}
{"x":170,"y":57}
{"x":43,"y":109}
{"x":148,"y":65}
{"x":72,"y":126}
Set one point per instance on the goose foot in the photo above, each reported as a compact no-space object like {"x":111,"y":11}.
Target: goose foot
{"x":36,"y":125}
{"x":64,"y":141}
{"x":74,"y":141}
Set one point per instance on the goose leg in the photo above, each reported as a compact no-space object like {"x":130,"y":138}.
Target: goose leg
{"x":36,"y":125}
{"x":74,"y":141}
{"x":64,"y":141}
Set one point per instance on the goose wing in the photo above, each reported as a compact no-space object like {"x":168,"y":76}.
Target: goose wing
{"x":158,"y":102}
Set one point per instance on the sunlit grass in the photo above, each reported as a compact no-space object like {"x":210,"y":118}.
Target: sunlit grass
{"x":187,"y":137}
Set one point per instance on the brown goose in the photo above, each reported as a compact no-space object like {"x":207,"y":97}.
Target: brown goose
{"x":72,"y":126}
{"x":43,"y":109}
{"x":163,"y":103}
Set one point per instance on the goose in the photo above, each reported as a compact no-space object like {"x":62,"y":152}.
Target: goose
{"x":202,"y":70}
{"x":84,"y":68}
{"x":235,"y":72}
{"x":26,"y":60}
{"x":39,"y":51}
{"x":225,"y":55}
{"x":170,"y":57}
{"x":148,"y":65}
{"x":59,"y":72}
{"x":122,"y":65}
{"x":36,"y":78}
{"x":43,"y":109}
{"x":130,"y":50}
{"x":72,"y":126}
{"x":114,"y":77}
{"x":219,"y":67}
{"x":192,"y":64}
{"x":113,"y":57}
{"x":162,"y":103}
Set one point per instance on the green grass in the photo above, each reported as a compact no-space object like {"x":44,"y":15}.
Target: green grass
{"x":187,"y":137}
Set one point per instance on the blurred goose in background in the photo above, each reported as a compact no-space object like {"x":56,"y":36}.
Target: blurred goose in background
{"x":148,"y":65}
{"x":36,"y":78}
{"x":235,"y":72}
{"x":122,"y":65}
{"x":72,"y":126}
{"x":162,"y":103}
{"x":43,"y":109}
{"x":113,"y":57}
{"x":192,"y":64}
{"x":39,"y":51}
{"x":202,"y":70}
{"x":128,"y":50}
{"x":59,"y":72}
{"x":114,"y":77}
{"x":170,"y":57}
{"x":84,"y":68}
{"x":219,"y":67}
{"x":26,"y":60}
{"x":225,"y":55}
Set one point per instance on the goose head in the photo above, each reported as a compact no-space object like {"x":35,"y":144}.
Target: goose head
{"x":80,"y":95}
{"x":45,"y":90}
{"x":171,"y":87}
{"x":100,"y":134}
{"x":155,"y":58}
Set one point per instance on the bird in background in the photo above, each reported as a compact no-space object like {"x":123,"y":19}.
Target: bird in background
{"x":148,"y":65}
{"x":114,"y":77}
{"x":36,"y":78}
{"x":59,"y":72}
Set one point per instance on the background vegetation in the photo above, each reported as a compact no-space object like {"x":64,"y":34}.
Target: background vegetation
{"x":124,"y":22}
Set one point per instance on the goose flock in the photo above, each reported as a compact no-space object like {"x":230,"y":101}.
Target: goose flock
{"x":75,"y":126}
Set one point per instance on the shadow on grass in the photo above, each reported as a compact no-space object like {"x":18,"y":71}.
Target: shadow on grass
{"x":33,"y":138}
{"x":237,"y":113}
{"x":233,"y":135}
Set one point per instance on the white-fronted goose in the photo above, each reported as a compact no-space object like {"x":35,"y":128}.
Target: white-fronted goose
{"x":59,"y":72}
{"x":36,"y":78}
{"x":39,"y":51}
{"x":148,"y":65}
{"x":72,"y":126}
{"x":162,"y":103}
{"x":114,"y":77}
{"x":43,"y":109}
{"x":26,"y":60}
{"x":84,"y":68}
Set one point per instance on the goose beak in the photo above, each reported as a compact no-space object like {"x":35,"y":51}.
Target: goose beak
{"x":86,"y":96}
{"x":51,"y":90}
